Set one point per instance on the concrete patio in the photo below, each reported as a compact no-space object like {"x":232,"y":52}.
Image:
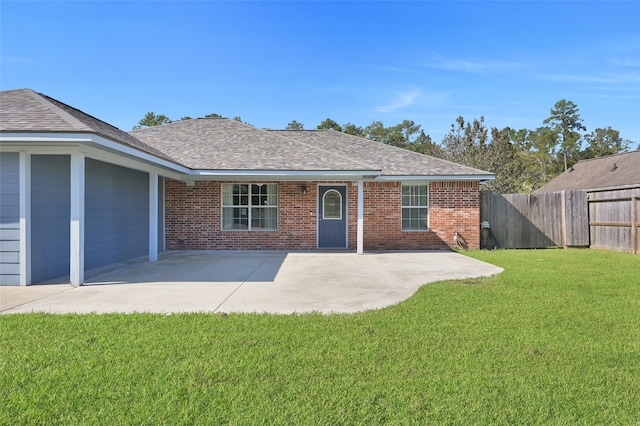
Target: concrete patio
{"x":271,"y":282}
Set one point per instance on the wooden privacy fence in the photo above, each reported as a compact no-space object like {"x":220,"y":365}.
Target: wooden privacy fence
{"x":614,"y":219}
{"x":537,"y":220}
{"x":600,"y":219}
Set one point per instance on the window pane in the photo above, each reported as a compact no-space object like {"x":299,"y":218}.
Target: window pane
{"x":235,"y":218}
{"x":332,"y":205}
{"x":264,"y":218}
{"x":415,"y":219}
{"x":415,"y":196}
{"x":227,"y":195}
{"x":272,"y":194}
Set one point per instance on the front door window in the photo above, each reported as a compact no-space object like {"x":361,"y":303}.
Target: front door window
{"x":332,"y":205}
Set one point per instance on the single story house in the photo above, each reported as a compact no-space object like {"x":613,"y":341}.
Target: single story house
{"x":613,"y":172}
{"x":77,"y":193}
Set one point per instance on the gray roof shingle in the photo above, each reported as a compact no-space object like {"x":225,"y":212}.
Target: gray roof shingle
{"x":393,"y":161}
{"x":25,"y":111}
{"x":224,"y":144}
{"x":598,"y":173}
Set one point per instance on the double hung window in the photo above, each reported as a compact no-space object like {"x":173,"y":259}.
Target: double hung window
{"x":415,"y":207}
{"x":250,"y":206}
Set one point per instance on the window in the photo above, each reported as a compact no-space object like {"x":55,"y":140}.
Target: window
{"x":249,"y":206}
{"x":332,"y":205}
{"x":415,"y":207}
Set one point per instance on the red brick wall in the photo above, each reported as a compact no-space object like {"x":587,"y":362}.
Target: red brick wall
{"x":453,"y":206}
{"x":193,"y":218}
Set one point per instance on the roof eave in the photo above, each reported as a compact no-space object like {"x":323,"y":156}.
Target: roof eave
{"x":434,"y":178}
{"x":283,"y":175}
{"x":89,"y":139}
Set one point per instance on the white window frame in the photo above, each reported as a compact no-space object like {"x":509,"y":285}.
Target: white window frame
{"x":250,"y":206}
{"x":414,"y":207}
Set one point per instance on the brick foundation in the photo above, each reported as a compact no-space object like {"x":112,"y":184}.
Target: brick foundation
{"x":193,"y":218}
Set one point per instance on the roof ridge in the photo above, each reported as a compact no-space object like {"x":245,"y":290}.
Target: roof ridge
{"x":609,"y":156}
{"x":48,"y":103}
{"x":82,"y":113}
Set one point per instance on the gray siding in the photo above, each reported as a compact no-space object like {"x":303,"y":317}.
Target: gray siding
{"x":9,"y":218}
{"x":116,"y":214}
{"x":50,"y":216}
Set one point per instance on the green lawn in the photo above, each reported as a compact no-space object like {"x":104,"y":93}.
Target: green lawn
{"x":555,"y":339}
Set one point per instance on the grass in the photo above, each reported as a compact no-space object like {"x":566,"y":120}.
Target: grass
{"x":555,"y":339}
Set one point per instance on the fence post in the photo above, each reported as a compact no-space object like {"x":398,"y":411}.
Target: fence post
{"x":634,"y":224}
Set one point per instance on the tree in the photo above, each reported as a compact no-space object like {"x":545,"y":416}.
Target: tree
{"x":465,"y":142}
{"x":536,"y":150}
{"x":602,"y":142}
{"x":468,"y":143}
{"x":566,"y":122}
{"x":150,"y":119}
{"x":352,"y":129}
{"x":401,"y":135}
{"x":329,"y":124}
{"x":404,"y":134}
{"x":502,"y":159}
{"x":377,"y":132}
{"x":424,"y":145}
{"x":213,"y":115}
{"x":294,"y":125}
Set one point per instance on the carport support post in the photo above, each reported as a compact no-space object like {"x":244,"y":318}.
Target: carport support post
{"x":153,"y":217}
{"x":360,"y":228}
{"x":25,"y":218}
{"x":76,"y":266}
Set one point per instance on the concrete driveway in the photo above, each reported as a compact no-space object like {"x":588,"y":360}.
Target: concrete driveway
{"x":272,"y":282}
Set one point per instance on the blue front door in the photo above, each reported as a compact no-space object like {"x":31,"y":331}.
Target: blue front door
{"x":332,"y":217}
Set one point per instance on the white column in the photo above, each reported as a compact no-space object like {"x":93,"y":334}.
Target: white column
{"x":25,"y":217}
{"x":153,"y":217}
{"x":360,"y":229}
{"x":77,"y":218}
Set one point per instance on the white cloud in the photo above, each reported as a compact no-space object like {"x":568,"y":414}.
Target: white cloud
{"x":403,"y":99}
{"x":609,"y":78}
{"x":469,"y":66}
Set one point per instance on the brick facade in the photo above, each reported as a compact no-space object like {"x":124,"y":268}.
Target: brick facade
{"x":193,"y":218}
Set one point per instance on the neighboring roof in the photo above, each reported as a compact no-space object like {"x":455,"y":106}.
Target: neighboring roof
{"x":224,"y":144}
{"x":598,"y":173}
{"x":25,"y":111}
{"x":393,"y":161}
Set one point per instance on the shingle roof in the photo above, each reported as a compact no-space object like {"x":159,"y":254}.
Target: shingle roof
{"x":393,"y":161}
{"x":224,"y":144}
{"x":598,"y":173}
{"x":25,"y":111}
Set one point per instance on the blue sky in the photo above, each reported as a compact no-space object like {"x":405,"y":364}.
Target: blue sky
{"x":274,"y":62}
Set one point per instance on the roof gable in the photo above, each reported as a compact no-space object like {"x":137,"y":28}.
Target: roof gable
{"x":598,"y":173}
{"x":25,"y":111}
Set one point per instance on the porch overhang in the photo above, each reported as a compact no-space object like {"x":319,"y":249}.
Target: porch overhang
{"x":281,"y":175}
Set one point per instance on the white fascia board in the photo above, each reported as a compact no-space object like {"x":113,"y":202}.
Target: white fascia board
{"x":282,"y":175}
{"x":88,"y":139}
{"x":437,"y":178}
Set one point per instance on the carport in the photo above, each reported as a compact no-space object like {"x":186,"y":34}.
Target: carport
{"x":271,"y":282}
